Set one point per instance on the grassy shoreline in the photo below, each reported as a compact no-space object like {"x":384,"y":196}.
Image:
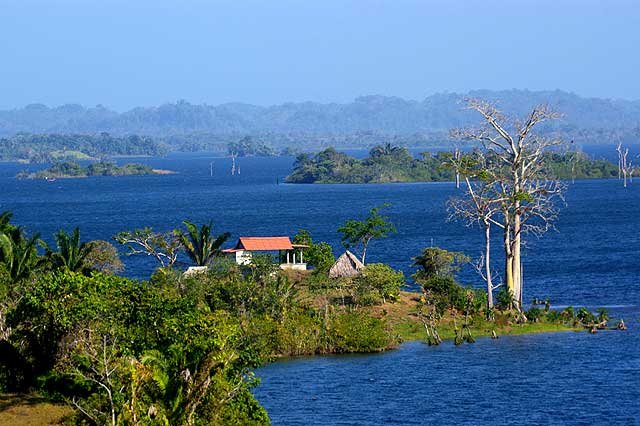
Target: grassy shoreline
{"x":408,"y":326}
{"x":400,"y":317}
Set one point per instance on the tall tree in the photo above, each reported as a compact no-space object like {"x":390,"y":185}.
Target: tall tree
{"x":199,"y":244}
{"x":361,"y":232}
{"x":518,"y":168}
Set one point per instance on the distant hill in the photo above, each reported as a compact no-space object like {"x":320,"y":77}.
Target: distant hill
{"x":589,"y":120}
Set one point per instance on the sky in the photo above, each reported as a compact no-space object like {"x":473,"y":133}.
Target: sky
{"x":127,"y":53}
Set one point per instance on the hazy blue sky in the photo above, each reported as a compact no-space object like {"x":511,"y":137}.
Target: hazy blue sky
{"x":128,"y":53}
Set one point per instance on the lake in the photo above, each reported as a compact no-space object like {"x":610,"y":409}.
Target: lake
{"x":593,"y":259}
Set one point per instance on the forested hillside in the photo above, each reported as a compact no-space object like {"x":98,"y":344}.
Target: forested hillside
{"x":586,"y":120}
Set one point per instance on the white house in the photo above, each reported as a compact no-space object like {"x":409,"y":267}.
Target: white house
{"x":289,"y":255}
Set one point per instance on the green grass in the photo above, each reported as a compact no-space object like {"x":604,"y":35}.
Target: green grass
{"x":409,"y":330}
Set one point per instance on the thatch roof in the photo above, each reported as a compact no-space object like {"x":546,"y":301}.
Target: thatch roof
{"x":347,"y":265}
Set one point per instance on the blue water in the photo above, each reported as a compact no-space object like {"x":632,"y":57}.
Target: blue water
{"x":567,"y":378}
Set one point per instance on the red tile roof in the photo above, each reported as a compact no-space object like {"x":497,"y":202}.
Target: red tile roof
{"x":264,"y":243}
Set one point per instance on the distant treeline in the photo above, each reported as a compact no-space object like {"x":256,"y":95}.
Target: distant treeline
{"x":59,"y":147}
{"x":586,"y":120}
{"x":387,"y":163}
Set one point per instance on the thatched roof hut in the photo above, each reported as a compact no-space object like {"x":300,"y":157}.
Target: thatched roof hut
{"x":347,"y":265}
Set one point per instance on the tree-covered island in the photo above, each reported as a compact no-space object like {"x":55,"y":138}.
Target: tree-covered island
{"x":70,"y":169}
{"x":388,"y":164}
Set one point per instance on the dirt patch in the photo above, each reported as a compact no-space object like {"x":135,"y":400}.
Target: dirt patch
{"x":32,"y":410}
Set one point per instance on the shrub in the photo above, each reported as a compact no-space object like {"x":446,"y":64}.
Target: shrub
{"x":300,"y":334}
{"x":319,"y":255}
{"x":534,"y":314}
{"x":603,"y":315}
{"x":504,"y":299}
{"x":568,"y":313}
{"x":554,"y":316}
{"x":585,"y":316}
{"x":446,"y":293}
{"x":378,"y":282}
{"x":358,"y":332}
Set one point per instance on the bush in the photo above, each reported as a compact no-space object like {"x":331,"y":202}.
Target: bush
{"x":504,"y":299}
{"x":534,"y":314}
{"x":568,"y":313}
{"x":358,"y":332}
{"x":378,"y":282}
{"x":300,"y":334}
{"x":446,"y":293}
{"x":554,"y":316}
{"x":319,"y":255}
{"x":585,"y":316}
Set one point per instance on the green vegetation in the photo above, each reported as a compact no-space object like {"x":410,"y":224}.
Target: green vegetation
{"x":359,"y":233}
{"x":174,"y":349}
{"x":318,"y":255}
{"x":103,"y":168}
{"x":247,"y":147}
{"x":44,"y":148}
{"x":180,"y":348}
{"x":199,"y":244}
{"x":387,"y":163}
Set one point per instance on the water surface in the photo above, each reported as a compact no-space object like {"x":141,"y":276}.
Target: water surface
{"x":593,"y":259}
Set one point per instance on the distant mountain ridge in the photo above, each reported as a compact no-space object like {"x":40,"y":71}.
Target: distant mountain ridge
{"x":380,"y":114}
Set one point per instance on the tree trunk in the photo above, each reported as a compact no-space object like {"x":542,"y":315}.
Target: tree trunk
{"x":487,"y":263}
{"x":517,"y":273}
{"x":508,"y":258}
{"x":364,"y":250}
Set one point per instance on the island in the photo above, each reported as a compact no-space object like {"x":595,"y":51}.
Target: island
{"x":51,"y":147}
{"x":70,"y":169}
{"x":389,"y":164}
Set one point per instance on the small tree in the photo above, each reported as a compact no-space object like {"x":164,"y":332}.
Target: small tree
{"x":437,"y":262}
{"x":360,"y":233}
{"x":320,"y":255}
{"x":379,"y":282}
{"x":102,"y":256}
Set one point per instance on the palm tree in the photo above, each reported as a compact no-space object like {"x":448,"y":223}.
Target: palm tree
{"x":200,"y":245}
{"x":71,"y":253}
{"x":384,"y":150}
{"x":5,"y":219}
{"x":18,"y":253}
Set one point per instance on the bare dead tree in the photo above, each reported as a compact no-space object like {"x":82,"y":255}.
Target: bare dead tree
{"x":517,"y":154}
{"x":100,"y":369}
{"x":233,"y":155}
{"x":480,"y":206}
{"x":625,"y":166}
